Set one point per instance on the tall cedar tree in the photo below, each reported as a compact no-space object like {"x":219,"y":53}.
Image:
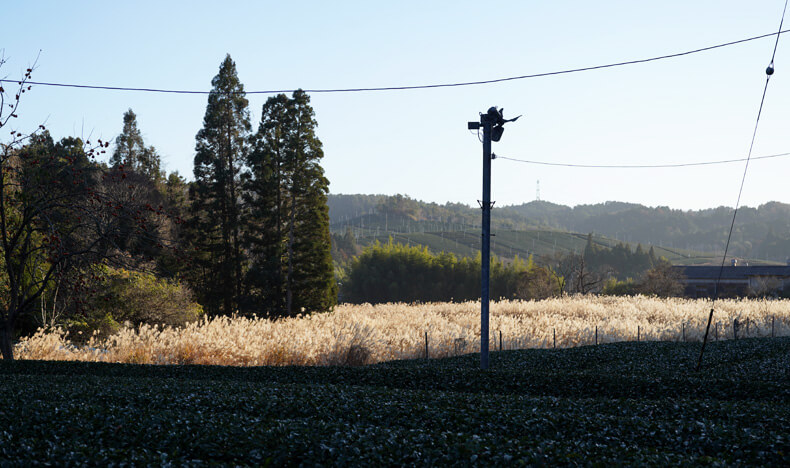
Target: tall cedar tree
{"x":175,"y":194}
{"x":130,"y":151}
{"x":311,"y":282}
{"x":289,"y":236}
{"x":140,"y":165}
{"x":221,"y":149}
{"x":265,"y":188}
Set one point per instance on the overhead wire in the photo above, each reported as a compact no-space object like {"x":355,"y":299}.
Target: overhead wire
{"x":523,"y":77}
{"x":415,"y":87}
{"x":768,"y":72}
{"x":641,"y":166}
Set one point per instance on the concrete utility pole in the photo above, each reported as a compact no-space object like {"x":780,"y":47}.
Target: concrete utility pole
{"x":492,"y":123}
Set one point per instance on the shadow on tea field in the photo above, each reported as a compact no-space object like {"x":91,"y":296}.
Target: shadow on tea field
{"x":621,"y":403}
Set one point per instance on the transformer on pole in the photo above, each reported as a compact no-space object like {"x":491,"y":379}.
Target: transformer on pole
{"x":492,"y":123}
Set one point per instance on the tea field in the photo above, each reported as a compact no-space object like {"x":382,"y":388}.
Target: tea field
{"x":620,"y":403}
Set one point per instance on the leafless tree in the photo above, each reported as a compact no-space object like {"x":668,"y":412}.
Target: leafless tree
{"x":574,"y":275}
{"x":662,"y":280}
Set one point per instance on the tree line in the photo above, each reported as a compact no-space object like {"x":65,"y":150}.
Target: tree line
{"x":88,"y":243}
{"x":619,"y":261}
{"x":761,"y":232}
{"x":393,"y":272}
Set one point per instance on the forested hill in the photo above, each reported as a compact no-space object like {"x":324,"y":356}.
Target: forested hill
{"x":762,"y":232}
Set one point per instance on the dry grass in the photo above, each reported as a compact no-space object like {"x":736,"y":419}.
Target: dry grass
{"x":362,"y":334}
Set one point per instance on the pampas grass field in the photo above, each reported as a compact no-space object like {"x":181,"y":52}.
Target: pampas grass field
{"x":364,"y":334}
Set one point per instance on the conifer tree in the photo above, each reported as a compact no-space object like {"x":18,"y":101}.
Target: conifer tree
{"x":130,"y":150}
{"x":310,"y":284}
{"x":221,"y":149}
{"x":265,"y":189}
{"x":589,"y":248}
{"x":287,"y":193}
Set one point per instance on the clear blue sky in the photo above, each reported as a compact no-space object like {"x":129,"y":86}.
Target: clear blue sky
{"x":696,"y":108}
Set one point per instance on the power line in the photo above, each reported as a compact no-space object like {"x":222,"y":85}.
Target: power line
{"x":408,"y":88}
{"x":641,"y":166}
{"x":768,"y":73}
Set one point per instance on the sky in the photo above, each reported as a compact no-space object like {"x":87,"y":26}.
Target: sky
{"x":699,"y":107}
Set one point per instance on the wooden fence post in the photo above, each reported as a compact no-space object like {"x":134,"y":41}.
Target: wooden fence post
{"x":596,"y":335}
{"x":716,"y":329}
{"x":637,"y":333}
{"x":772,"y":326}
{"x":735,"y":329}
{"x":555,"y":337}
{"x":683,"y":328}
{"x":500,"y":340}
{"x":426,"y":345}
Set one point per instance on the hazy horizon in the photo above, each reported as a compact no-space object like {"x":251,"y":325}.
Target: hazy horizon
{"x":561,"y":204}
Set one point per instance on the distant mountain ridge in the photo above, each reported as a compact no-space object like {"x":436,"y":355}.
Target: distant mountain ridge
{"x":762,"y":232}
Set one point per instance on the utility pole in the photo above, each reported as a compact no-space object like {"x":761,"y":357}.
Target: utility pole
{"x":492,"y":123}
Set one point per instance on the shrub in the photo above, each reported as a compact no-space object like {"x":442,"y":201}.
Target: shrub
{"x":615,"y":287}
{"x":137,"y":298}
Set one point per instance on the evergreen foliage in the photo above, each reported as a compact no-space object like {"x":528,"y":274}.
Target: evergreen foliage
{"x":131,"y":152}
{"x":215,"y":228}
{"x":345,"y":247}
{"x":761,"y":232}
{"x":288,"y":228}
{"x":257,"y":239}
{"x":134,"y":297}
{"x":175,"y":196}
{"x":265,"y":187}
{"x":619,"y":404}
{"x":626,"y":287}
{"x":398,"y":273}
{"x":61,"y":213}
{"x":619,"y":261}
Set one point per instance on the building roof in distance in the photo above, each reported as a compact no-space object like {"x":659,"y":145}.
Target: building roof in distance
{"x":732,"y":272}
